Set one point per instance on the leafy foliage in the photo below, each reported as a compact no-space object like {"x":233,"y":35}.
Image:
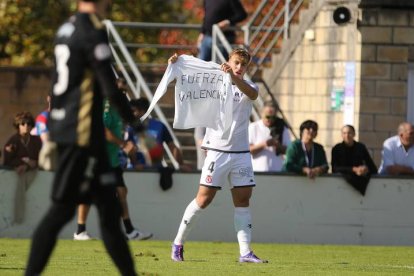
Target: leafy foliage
{"x":27,"y":30}
{"x":28,"y":26}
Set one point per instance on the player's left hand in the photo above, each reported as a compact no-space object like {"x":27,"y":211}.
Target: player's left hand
{"x":227,"y":69}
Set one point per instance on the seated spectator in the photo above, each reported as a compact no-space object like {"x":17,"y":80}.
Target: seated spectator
{"x":268,"y":139}
{"x":21,"y":152}
{"x":304,"y":156}
{"x":150,"y":143}
{"x":352,"y":160}
{"x":398,"y":152}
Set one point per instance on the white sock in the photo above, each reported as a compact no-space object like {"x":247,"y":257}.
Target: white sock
{"x":191,"y":214}
{"x":243,"y":226}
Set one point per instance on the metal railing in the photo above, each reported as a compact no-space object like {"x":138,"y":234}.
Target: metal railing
{"x":270,"y":20}
{"x":263,"y":39}
{"x":140,"y":83}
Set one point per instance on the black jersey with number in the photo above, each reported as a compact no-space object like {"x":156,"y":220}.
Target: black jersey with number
{"x":83,"y":77}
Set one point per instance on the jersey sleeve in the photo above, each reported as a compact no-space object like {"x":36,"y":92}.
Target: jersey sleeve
{"x":100,"y":60}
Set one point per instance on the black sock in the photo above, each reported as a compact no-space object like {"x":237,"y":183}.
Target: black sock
{"x":128,"y":226}
{"x":81,"y":228}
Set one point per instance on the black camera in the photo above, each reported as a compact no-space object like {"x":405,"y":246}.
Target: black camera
{"x":276,"y":130}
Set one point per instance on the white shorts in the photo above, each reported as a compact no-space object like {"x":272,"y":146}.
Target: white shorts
{"x":221,"y":167}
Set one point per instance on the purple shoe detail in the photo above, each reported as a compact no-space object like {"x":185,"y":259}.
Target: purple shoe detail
{"x":177,"y":253}
{"x":251,"y":258}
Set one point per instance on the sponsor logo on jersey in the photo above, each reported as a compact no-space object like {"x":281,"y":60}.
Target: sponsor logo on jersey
{"x":209,"y":179}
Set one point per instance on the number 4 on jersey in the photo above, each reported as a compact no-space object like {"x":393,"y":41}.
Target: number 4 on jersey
{"x":211,"y":167}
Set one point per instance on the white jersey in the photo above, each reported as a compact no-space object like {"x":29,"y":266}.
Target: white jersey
{"x":203,"y":95}
{"x":266,"y":160}
{"x":238,"y":140}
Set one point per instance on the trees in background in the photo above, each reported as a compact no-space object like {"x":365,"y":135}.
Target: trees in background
{"x":28,"y":26}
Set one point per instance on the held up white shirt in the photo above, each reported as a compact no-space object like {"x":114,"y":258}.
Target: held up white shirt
{"x":203,"y":95}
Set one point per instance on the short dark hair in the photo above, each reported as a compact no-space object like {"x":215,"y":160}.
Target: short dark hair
{"x":23,"y":117}
{"x":308,"y":124}
{"x":141,"y":104}
{"x":350,"y":127}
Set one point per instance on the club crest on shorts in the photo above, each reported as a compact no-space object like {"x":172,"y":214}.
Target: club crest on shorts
{"x":209,"y":179}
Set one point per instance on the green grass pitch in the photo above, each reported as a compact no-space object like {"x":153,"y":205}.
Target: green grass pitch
{"x":215,"y":258}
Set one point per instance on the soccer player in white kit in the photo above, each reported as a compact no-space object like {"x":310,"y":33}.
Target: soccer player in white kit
{"x":227,"y":160}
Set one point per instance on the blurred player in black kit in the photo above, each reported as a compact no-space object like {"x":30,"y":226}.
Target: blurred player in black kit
{"x":83,"y":76}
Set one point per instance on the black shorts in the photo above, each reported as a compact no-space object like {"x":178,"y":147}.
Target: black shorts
{"x":119,"y":177}
{"x":81,"y":174}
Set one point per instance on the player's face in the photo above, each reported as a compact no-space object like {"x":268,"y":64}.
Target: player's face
{"x":25,"y":127}
{"x":308,"y":135}
{"x":407,"y":136}
{"x":348,"y":135}
{"x":238,"y":65}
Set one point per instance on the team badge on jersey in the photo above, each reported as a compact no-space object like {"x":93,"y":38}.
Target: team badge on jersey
{"x":236,"y":97}
{"x":209,"y":179}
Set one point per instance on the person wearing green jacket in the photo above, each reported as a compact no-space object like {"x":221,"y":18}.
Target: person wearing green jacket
{"x":304,"y":156}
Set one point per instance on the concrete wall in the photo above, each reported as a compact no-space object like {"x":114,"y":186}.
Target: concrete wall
{"x":379,"y":40}
{"x":386,"y":39}
{"x":316,"y":67}
{"x":286,"y":209}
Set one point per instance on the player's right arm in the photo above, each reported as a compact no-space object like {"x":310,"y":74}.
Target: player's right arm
{"x":100,"y":59}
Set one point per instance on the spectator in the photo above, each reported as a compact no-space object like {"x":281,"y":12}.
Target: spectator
{"x":304,"y":156}
{"x":224,"y":13}
{"x":82,"y":77}
{"x":352,"y":160}
{"x":21,"y":152}
{"x":150,"y":143}
{"x":268,"y":139}
{"x":398,"y":152}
